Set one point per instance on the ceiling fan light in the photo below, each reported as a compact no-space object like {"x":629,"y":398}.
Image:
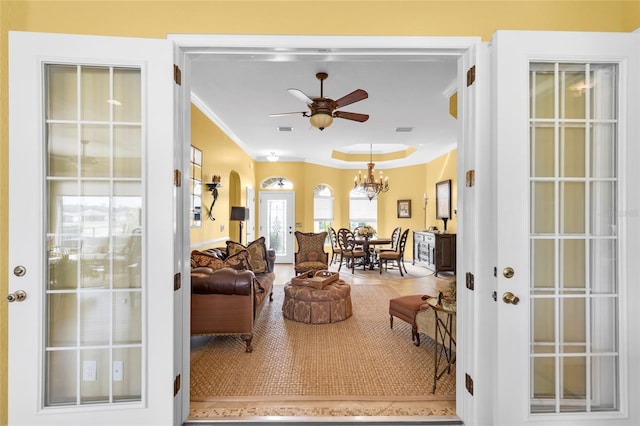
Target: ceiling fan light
{"x":321,"y":120}
{"x":273,"y":157}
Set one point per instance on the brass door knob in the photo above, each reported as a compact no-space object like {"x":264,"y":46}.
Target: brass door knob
{"x":17,"y":296}
{"x":508,"y":272}
{"x":511,"y":298}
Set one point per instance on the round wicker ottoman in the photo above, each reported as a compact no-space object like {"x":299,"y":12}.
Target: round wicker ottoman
{"x":314,"y":306}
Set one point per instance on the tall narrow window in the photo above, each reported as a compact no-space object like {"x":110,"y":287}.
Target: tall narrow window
{"x":196,"y":187}
{"x":362,"y":211}
{"x":322,"y":208}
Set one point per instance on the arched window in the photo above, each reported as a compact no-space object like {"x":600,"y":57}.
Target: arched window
{"x":322,"y":208}
{"x":362,"y":211}
{"x":276,"y":182}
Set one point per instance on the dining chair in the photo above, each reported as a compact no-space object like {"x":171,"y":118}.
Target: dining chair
{"x":395,"y":239}
{"x":335,"y":247}
{"x":350,"y":251}
{"x":397,"y":254}
{"x":356,"y":234}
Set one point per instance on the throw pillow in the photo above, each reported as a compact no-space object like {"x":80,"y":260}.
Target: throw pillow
{"x":238,"y":261}
{"x":257,"y":254}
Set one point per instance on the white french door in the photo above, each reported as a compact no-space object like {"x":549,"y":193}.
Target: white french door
{"x":566,"y":114}
{"x":277,"y":223}
{"x":89,"y":335}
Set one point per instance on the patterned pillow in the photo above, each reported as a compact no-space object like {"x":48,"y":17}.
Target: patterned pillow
{"x":238,"y":261}
{"x":257,"y":254}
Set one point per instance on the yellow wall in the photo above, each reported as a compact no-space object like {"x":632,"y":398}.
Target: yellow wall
{"x":156,"y":19}
{"x":305,"y":177}
{"x":220,"y":156}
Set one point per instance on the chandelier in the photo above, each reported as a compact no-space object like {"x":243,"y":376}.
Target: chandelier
{"x":368,"y":183}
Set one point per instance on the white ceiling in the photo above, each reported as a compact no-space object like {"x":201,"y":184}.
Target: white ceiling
{"x":238,"y":92}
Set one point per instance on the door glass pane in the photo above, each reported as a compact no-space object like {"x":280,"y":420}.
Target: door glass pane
{"x":62,"y":99}
{"x":542,"y":151}
{"x":543,"y":264}
{"x":94,"y":292}
{"x":61,"y":368}
{"x":94,"y":150}
{"x":573,"y":264}
{"x":574,"y":301}
{"x":543,"y":204}
{"x":573,"y":155}
{"x":573,"y":210}
{"x":95,"y":93}
{"x":276,"y":226}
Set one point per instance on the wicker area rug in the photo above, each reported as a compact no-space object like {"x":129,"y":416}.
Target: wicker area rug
{"x":360,"y":358}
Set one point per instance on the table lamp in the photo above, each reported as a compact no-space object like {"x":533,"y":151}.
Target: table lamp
{"x":240,"y":214}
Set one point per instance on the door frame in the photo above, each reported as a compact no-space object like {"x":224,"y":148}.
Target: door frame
{"x":466,"y":49}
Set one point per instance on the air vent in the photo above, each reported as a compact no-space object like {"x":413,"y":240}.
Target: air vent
{"x":404,"y":129}
{"x":285,"y":129}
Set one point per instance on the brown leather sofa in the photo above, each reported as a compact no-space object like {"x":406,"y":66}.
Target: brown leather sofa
{"x":228,"y":300}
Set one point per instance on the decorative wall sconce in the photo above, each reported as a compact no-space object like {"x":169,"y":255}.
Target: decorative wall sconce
{"x":425,"y":197}
{"x":213,"y":187}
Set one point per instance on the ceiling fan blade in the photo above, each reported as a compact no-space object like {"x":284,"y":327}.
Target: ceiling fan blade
{"x":282,"y":114}
{"x":300,"y":95}
{"x":351,"y":116}
{"x":355,"y":96}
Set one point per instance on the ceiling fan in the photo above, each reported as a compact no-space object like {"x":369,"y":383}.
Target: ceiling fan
{"x":323,"y":110}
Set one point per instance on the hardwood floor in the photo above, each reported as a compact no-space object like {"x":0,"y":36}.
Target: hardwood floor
{"x":440,"y":411}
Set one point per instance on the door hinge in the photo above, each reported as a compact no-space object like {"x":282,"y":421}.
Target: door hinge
{"x":468,"y":383}
{"x":471,"y":75}
{"x":177,"y":178}
{"x":470,"y":281}
{"x":177,"y":75}
{"x":470,"y":178}
{"x":176,"y":385}
{"x":177,"y":281}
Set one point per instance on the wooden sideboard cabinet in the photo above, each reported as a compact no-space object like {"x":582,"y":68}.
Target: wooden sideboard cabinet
{"x":435,"y":251}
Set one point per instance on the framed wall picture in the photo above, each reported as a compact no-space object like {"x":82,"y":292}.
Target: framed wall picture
{"x":443,"y":199}
{"x":404,"y":208}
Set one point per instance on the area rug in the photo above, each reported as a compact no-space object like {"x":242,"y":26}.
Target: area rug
{"x":413,"y":271}
{"x":356,"y":359}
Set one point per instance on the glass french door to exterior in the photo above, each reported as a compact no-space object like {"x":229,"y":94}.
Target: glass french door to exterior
{"x":277,"y":223}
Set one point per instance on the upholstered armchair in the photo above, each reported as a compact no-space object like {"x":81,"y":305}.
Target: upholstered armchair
{"x":311,"y":255}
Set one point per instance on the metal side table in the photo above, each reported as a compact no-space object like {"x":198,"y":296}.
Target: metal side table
{"x":445,"y":354}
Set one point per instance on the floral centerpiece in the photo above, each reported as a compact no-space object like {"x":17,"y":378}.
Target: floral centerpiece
{"x":366,"y":231}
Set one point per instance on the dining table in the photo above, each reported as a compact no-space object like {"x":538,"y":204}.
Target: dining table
{"x":368,"y":246}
